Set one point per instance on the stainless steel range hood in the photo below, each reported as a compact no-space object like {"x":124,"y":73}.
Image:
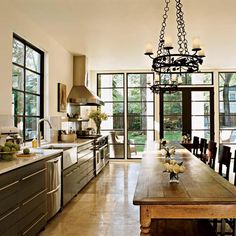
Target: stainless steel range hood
{"x":80,"y":95}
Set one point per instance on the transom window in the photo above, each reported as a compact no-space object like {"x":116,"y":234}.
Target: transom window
{"x":27,"y":86}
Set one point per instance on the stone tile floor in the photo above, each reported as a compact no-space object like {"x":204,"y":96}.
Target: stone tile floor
{"x":103,"y":208}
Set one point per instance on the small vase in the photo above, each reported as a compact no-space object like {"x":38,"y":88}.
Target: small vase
{"x":174,"y":178}
{"x":98,"y":129}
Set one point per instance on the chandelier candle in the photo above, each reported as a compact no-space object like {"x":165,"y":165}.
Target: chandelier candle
{"x":165,"y":63}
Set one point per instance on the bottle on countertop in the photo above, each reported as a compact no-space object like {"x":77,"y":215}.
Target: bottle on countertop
{"x":34,"y":143}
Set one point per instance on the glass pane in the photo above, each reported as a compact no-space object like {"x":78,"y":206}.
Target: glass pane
{"x":18,"y":102}
{"x":18,"y":122}
{"x":227,"y":94}
{"x":113,"y":108}
{"x":32,"y":105}
{"x":140,"y":122}
{"x":116,"y":95}
{"x":198,"y":78}
{"x":18,"y":52}
{"x":172,"y":108}
{"x":227,"y":79}
{"x":32,"y":82}
{"x":200,"y":96}
{"x":30,"y":127}
{"x":227,"y":121}
{"x":172,"y":123}
{"x":17,"y":77}
{"x":228,"y":108}
{"x":201,"y":134}
{"x":177,"y":96}
{"x":141,"y":108}
{"x":140,"y":137}
{"x":140,"y":94}
{"x":173,"y":135}
{"x":200,"y":108}
{"x":32,"y":59}
{"x":228,"y":135}
{"x":200,"y":122}
{"x":110,"y":80}
{"x":116,"y":122}
{"x":139,"y":80}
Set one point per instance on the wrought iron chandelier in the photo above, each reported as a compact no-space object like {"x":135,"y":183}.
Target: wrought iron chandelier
{"x":170,"y":66}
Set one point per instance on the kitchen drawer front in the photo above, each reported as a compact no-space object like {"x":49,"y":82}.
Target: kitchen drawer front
{"x":9,"y":196}
{"x":85,"y":147}
{"x":32,"y":184}
{"x":67,"y":187}
{"x":8,"y":220}
{"x":34,"y":221}
{"x":31,"y":169}
{"x":89,"y":162}
{"x":33,"y":202}
{"x":85,"y":158}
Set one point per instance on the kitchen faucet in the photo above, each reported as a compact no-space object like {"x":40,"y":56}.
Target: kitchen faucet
{"x":38,"y":130}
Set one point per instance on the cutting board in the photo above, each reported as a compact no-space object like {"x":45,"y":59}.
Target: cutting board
{"x":25,"y":155}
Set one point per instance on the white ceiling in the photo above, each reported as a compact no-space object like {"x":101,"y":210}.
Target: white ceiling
{"x":113,"y":33}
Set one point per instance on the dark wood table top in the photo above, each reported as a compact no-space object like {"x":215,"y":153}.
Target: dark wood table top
{"x":199,"y":184}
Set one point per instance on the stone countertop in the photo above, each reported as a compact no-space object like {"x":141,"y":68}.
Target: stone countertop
{"x":41,"y":154}
{"x":17,"y":162}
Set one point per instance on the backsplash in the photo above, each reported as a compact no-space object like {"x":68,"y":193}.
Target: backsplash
{"x":6,"y":120}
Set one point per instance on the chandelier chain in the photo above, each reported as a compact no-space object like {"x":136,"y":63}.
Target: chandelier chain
{"x":182,"y":41}
{"x":163,"y":26}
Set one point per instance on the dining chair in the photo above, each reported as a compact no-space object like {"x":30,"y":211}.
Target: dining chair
{"x":202,"y":148}
{"x":210,"y":155}
{"x":195,"y":145}
{"x":224,"y":159}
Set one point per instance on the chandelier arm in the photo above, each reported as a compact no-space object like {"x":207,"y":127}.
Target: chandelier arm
{"x":163,"y":26}
{"x":182,"y":41}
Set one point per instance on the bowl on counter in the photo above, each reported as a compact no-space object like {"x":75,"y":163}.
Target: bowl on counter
{"x":68,"y":138}
{"x":8,"y":156}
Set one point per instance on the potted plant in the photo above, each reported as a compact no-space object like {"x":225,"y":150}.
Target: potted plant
{"x":97,"y":116}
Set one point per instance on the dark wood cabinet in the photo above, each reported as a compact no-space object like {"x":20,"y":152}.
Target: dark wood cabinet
{"x":23,"y":200}
{"x":78,"y":175}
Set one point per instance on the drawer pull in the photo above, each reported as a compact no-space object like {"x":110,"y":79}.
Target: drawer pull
{"x":9,"y":185}
{"x":35,"y":223}
{"x":35,"y":173}
{"x":11,"y":212}
{"x":34,"y":197}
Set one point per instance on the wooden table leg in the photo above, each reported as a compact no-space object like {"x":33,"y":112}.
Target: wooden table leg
{"x":145,"y":221}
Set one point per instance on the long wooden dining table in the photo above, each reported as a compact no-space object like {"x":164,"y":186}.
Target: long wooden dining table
{"x":200,"y":194}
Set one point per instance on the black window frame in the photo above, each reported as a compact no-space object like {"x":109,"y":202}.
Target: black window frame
{"x":41,"y":91}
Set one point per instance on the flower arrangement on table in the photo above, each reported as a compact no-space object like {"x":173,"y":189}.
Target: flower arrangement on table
{"x":168,"y":152}
{"x":97,"y":116}
{"x":174,"y":168}
{"x":186,"y":138}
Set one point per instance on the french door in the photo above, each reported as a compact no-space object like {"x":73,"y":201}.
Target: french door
{"x":187,"y":111}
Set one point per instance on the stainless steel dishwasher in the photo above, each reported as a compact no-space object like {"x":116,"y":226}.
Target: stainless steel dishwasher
{"x":53,"y":186}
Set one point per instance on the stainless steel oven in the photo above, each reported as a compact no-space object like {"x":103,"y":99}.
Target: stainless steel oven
{"x":101,"y":153}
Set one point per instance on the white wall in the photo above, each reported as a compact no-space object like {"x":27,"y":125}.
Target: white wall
{"x":58,"y":61}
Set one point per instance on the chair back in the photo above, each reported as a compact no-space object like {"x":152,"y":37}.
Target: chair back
{"x":195,"y":145}
{"x":203,"y":146}
{"x":224,"y":158}
{"x":211,"y":152}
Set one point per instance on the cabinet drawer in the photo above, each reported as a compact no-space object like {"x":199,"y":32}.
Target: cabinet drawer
{"x":31,"y":169}
{"x":86,"y":164}
{"x":32,"y":184}
{"x":8,"y":196}
{"x":33,"y":202}
{"x":67,"y":187}
{"x":34,"y":221}
{"x":85,"y":147}
{"x":81,"y":160}
{"x":8,"y":219}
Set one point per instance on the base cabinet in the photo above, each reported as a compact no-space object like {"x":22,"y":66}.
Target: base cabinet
{"x":23,"y":200}
{"x":78,"y":175}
